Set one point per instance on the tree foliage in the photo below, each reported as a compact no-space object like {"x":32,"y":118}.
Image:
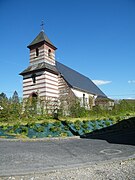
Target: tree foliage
{"x":15,"y":97}
{"x":3,"y":96}
{"x":13,"y":110}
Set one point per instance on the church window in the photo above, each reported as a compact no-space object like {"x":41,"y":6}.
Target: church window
{"x":33,"y":78}
{"x":34,"y":102}
{"x":37,"y":52}
{"x":84,"y":99}
{"x":34,"y":95}
{"x":49,"y":52}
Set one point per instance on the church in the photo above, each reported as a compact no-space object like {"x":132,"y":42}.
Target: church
{"x":48,"y":79}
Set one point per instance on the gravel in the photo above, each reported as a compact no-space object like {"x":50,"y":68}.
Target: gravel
{"x":111,"y":170}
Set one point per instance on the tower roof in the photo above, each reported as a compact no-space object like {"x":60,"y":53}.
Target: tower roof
{"x":41,"y":37}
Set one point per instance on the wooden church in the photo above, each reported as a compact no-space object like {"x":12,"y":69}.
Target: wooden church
{"x":48,"y":79}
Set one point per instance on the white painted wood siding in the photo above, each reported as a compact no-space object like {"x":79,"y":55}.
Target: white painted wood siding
{"x":46,"y":85}
{"x":43,"y":55}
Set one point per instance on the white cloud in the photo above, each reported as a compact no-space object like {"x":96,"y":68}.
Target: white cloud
{"x":129,"y":98}
{"x":131,"y":81}
{"x":101,"y":82}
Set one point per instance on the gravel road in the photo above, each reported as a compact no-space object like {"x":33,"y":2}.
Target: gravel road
{"x":109,"y":170}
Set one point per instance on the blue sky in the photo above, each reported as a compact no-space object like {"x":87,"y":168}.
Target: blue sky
{"x":94,"y":37}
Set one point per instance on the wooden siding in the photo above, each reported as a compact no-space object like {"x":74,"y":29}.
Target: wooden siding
{"x":46,"y":85}
{"x":43,"y":55}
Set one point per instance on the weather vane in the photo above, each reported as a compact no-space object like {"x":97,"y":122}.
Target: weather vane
{"x":42,"y":25}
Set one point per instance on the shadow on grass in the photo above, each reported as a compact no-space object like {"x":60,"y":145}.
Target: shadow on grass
{"x":121,"y":133}
{"x":75,"y":133}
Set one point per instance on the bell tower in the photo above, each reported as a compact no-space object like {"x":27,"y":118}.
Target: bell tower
{"x":41,"y":76}
{"x":42,"y":50}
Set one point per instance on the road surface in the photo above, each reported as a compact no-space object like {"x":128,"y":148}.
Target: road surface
{"x":19,"y":157}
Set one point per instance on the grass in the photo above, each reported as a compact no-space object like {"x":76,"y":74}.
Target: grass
{"x":56,"y":127}
{"x":39,"y":120}
{"x":28,"y":122}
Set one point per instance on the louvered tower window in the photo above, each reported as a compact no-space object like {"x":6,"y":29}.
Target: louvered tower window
{"x":37,"y":52}
{"x":49,"y":53}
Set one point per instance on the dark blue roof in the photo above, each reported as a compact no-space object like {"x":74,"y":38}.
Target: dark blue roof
{"x":77,"y":80}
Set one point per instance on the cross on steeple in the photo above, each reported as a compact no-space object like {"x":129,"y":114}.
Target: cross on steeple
{"x":42,"y":25}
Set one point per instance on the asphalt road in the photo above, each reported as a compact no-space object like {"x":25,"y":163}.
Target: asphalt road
{"x":20,"y":157}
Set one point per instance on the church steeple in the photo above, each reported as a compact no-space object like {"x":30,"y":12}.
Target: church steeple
{"x":41,"y":38}
{"x":42,"y":50}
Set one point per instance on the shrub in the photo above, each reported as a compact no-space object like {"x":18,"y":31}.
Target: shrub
{"x":94,"y":126}
{"x":49,"y":135}
{"x":24,"y":131}
{"x":5,"y":127}
{"x":85,"y":125}
{"x":16,"y":126}
{"x":40,"y":129}
{"x":86,"y":131}
{"x":55,"y":129}
{"x":45,"y":124}
{"x":57,"y":123}
{"x":107,"y":123}
{"x":63,"y":134}
{"x":77,"y":127}
{"x":66,"y":128}
{"x":10,"y":130}
{"x":31,"y":125}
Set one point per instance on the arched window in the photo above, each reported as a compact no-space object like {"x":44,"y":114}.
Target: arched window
{"x":37,"y":52}
{"x":34,"y":95}
{"x":49,"y":53}
{"x":33,"y":102}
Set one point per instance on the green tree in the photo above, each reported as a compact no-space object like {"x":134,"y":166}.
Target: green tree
{"x":3,"y":96}
{"x":15,"y":97}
